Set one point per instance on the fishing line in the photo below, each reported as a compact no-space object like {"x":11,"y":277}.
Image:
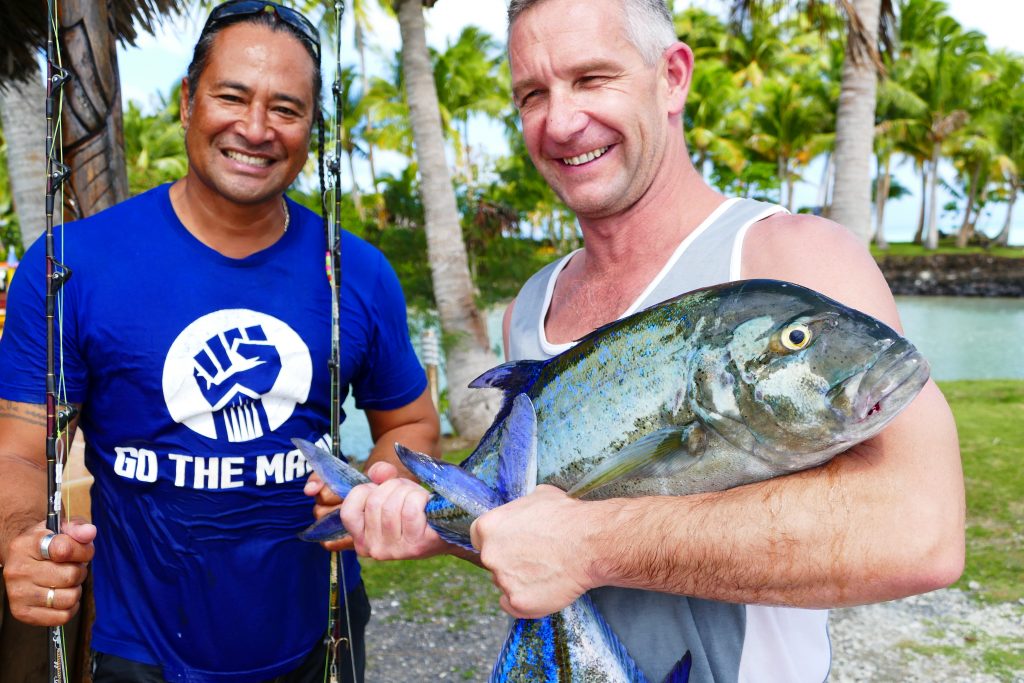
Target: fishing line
{"x":332,"y":226}
{"x":59,"y":413}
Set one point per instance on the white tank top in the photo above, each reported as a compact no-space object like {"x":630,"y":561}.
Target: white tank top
{"x":728,"y":642}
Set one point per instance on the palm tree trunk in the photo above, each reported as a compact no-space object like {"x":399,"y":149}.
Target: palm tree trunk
{"x":932,"y":240}
{"x":967,"y":226}
{"x":855,"y":132}
{"x":826,"y":181}
{"x":93,"y":132}
{"x":24,"y":121}
{"x":919,"y":235}
{"x":1003,"y":238}
{"x":469,"y":353}
{"x":357,"y":196}
{"x":881,"y":197}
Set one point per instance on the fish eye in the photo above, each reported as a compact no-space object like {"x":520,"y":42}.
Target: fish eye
{"x":795,"y":336}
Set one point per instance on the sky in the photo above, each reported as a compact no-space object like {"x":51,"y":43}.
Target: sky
{"x":149,"y":70}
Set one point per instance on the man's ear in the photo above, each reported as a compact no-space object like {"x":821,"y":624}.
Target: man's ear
{"x":678,"y":72}
{"x":183,"y":108}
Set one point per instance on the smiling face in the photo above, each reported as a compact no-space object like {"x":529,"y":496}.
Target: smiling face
{"x":595,"y":117}
{"x":247,"y":129}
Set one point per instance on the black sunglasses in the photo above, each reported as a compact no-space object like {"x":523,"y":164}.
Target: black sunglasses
{"x":242,"y":8}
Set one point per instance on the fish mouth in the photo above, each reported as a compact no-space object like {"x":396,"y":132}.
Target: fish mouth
{"x":890,"y":383}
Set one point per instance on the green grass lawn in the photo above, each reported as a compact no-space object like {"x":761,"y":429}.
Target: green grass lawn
{"x":947,"y":246}
{"x":990,"y":420}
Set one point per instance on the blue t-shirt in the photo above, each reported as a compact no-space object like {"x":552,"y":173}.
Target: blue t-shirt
{"x":194,"y":371}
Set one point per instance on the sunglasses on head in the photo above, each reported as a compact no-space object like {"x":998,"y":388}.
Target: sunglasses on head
{"x":243,"y":8}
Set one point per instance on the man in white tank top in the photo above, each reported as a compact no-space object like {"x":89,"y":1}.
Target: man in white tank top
{"x":601,"y":86}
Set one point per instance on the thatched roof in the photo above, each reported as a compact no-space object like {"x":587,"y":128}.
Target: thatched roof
{"x":23,"y":29}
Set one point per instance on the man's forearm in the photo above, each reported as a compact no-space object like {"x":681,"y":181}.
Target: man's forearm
{"x":23,"y":492}
{"x":880,"y":522}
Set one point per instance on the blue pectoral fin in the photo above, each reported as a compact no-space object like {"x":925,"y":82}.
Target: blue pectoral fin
{"x":658,"y":454}
{"x":451,"y":481}
{"x":339,"y":476}
{"x":327,"y":528}
{"x":680,"y":673}
{"x":517,"y":451}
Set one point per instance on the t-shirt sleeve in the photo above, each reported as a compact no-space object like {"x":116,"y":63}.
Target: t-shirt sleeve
{"x":23,"y":344}
{"x":391,"y":376}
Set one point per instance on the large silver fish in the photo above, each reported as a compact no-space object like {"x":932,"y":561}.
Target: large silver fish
{"x":716,"y":388}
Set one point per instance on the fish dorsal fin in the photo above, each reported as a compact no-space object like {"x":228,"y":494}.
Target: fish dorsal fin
{"x":459,"y":486}
{"x":513,"y":378}
{"x":517,"y":451}
{"x":680,"y":673}
{"x":658,"y":454}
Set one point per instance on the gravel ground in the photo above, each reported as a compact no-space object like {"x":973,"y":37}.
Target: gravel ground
{"x":941,"y":636}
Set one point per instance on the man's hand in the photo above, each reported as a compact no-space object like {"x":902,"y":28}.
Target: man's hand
{"x":30,"y":577}
{"x":386,"y":519}
{"x":535,"y":549}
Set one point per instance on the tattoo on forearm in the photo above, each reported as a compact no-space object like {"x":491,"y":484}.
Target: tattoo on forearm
{"x":32,"y":413}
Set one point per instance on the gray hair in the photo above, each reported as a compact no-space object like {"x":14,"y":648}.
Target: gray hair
{"x":649,"y":25}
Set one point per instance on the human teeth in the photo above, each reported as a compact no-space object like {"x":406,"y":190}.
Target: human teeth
{"x":246,"y":159}
{"x":584,"y":158}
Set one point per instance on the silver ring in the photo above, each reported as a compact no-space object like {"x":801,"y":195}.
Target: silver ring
{"x":44,"y":545}
{"x":50,"y":594}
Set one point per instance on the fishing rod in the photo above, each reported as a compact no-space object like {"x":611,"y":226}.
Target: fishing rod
{"x":58,"y":412}
{"x":333,"y":263}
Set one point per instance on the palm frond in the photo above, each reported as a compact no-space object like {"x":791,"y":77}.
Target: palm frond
{"x":23,"y":30}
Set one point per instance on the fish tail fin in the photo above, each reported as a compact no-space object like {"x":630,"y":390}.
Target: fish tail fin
{"x":564,"y":647}
{"x":337,"y":474}
{"x":451,"y":481}
{"x":327,"y":528}
{"x":680,"y":673}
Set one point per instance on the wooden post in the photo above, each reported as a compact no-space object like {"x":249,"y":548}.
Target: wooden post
{"x":93,"y":129}
{"x":431,"y":359}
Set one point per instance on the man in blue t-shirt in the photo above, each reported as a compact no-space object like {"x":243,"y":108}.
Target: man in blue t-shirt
{"x":196,"y":338}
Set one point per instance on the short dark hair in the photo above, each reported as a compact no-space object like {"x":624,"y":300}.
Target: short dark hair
{"x":201,"y":53}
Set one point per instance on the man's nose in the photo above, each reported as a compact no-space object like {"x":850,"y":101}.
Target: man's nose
{"x":254,"y":125}
{"x":565,"y":117}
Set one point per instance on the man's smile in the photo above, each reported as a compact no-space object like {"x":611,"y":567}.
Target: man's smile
{"x":585,"y":157}
{"x":247,"y":159}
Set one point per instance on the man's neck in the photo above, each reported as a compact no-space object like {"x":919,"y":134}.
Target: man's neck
{"x":624,"y":253}
{"x":228,"y":227}
{"x":642,"y":237}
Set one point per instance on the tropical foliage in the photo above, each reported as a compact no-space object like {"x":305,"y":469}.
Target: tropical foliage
{"x":762,"y":111}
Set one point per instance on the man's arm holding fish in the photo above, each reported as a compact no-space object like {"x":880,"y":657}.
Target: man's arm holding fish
{"x":385,"y":519}
{"x":882,"y":521}
{"x":27,"y":575}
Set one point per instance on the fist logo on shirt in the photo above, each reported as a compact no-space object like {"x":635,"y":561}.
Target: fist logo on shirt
{"x":233,"y":371}
{"x":236,"y":374}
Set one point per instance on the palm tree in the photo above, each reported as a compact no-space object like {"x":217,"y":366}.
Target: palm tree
{"x":947,"y":62}
{"x":855,"y":117}
{"x":468,"y":348}
{"x":23,"y":113}
{"x":713,"y":118}
{"x":1010,"y":137}
{"x":92,"y":130}
{"x":789,"y":125}
{"x":468,"y":78}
